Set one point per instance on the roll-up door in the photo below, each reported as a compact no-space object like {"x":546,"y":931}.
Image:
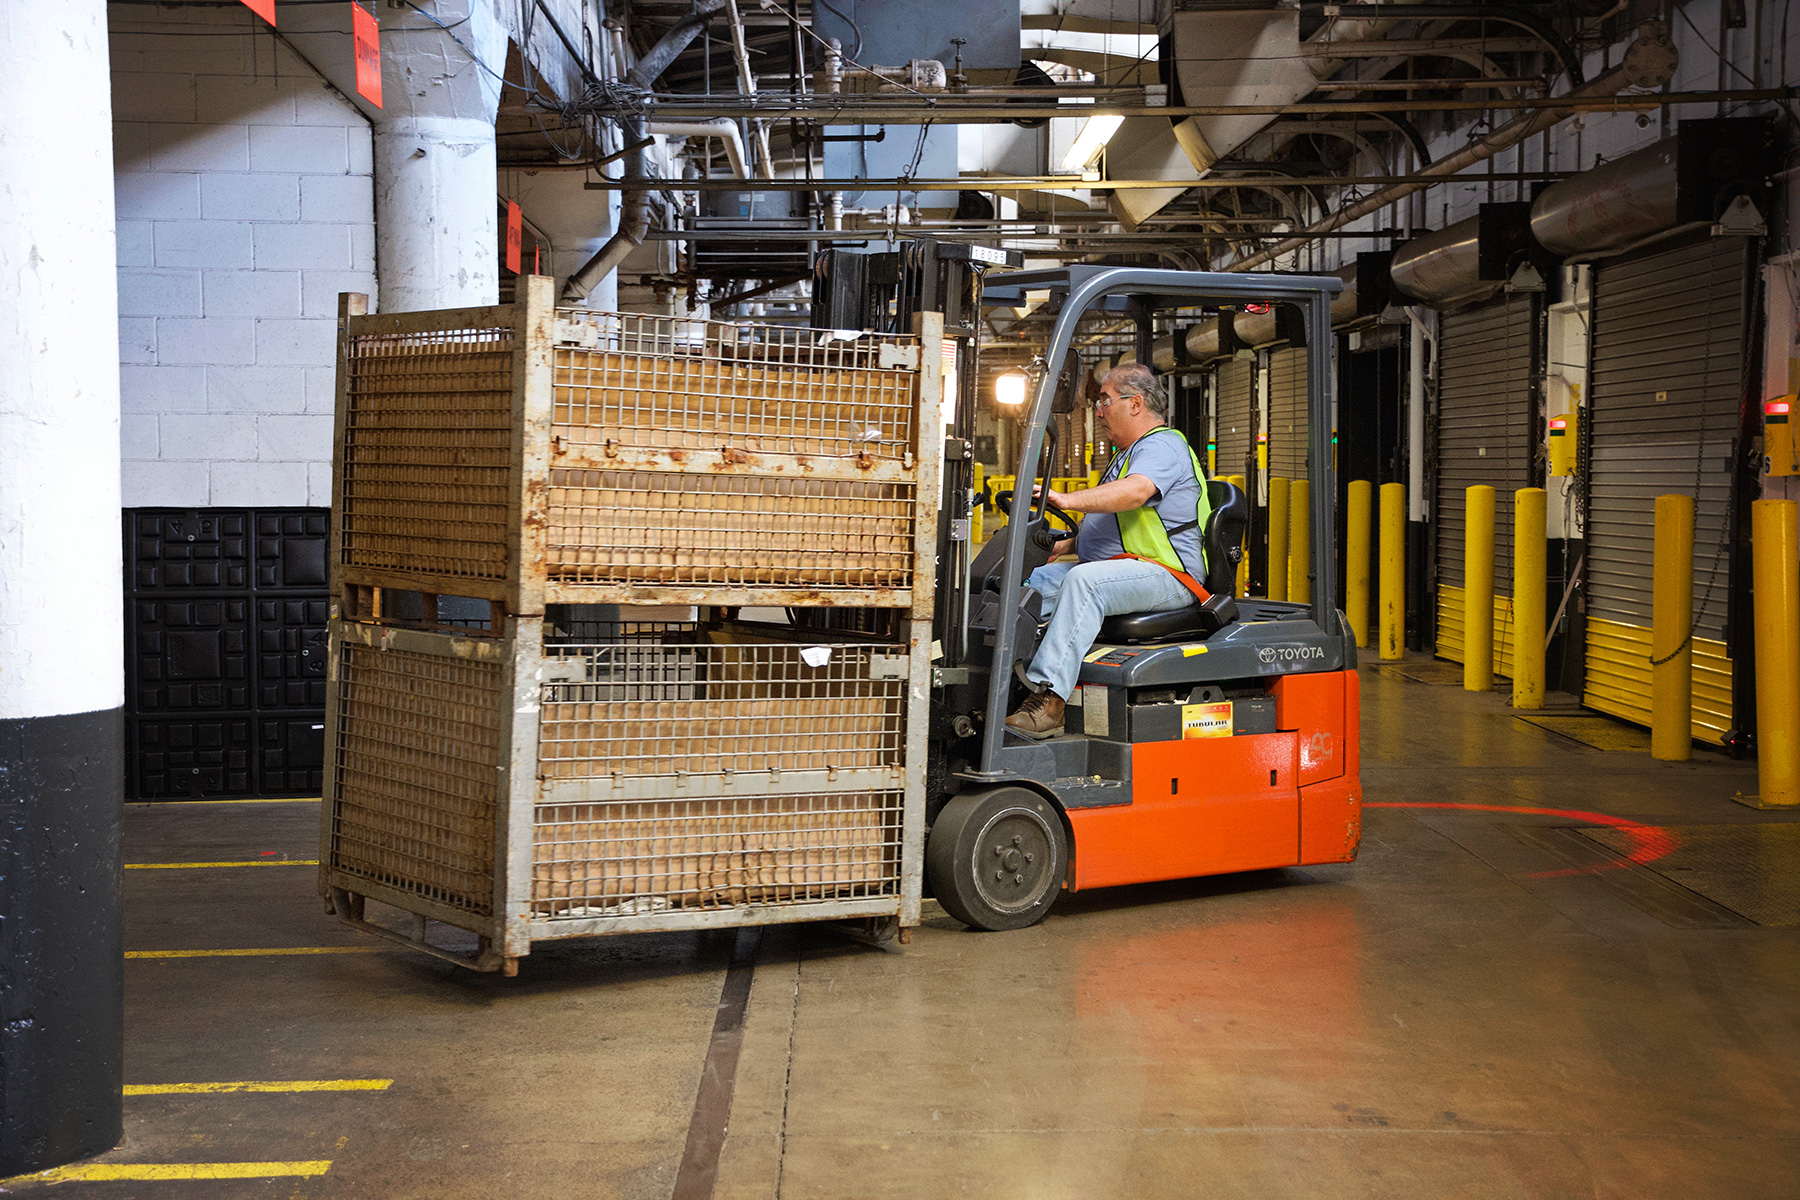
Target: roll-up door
{"x":1236,"y":417}
{"x":1486,"y":434}
{"x":1663,"y":391}
{"x":1287,"y":414}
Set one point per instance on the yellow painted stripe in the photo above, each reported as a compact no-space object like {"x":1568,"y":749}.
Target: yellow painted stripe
{"x":223,"y":1170}
{"x":259,"y":1085}
{"x":216,"y":803}
{"x":251,"y":953}
{"x":253,"y":862}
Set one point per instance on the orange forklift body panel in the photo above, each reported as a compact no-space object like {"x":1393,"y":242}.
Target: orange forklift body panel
{"x":1213,"y":805}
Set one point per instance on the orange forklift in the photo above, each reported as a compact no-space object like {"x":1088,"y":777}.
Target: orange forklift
{"x":1215,"y":738}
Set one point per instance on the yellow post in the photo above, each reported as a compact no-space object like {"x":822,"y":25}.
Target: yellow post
{"x":1393,"y":572}
{"x":1242,"y":585}
{"x":1299,"y":587}
{"x":1478,"y":589}
{"x":1528,"y":598}
{"x":1356,"y":559}
{"x":979,"y":485}
{"x":1671,"y":630}
{"x":1775,"y":534}
{"x":1278,"y":539}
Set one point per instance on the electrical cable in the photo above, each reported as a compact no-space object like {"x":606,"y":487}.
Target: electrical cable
{"x":840,"y":15}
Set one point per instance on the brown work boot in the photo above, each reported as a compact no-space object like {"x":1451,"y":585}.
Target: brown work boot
{"x":1040,"y":716}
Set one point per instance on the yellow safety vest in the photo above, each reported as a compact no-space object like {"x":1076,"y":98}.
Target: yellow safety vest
{"x":1142,"y":531}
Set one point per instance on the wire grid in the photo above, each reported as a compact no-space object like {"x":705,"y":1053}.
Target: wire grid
{"x":729,"y":529}
{"x":672,"y":383}
{"x":636,"y":857}
{"x":649,"y":708}
{"x":418,"y":751}
{"x":427,"y":447}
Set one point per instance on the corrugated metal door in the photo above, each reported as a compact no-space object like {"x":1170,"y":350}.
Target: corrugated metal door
{"x":1236,"y":418}
{"x":1486,"y":434}
{"x":1663,"y":393}
{"x":1287,"y":414}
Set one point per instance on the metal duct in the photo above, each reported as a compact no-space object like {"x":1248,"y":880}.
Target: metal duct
{"x":1613,"y":205}
{"x":1443,"y":268}
{"x":723,"y":128}
{"x":1252,"y":329}
{"x":1649,"y":62}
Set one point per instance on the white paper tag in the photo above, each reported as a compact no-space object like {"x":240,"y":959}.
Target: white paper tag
{"x":816,"y":656}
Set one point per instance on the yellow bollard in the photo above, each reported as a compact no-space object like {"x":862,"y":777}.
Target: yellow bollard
{"x":1671,"y":631}
{"x":1356,"y":559}
{"x":1278,"y":539}
{"x":1393,"y":572}
{"x":1242,"y":586}
{"x":1478,"y":589}
{"x":1299,"y":586}
{"x":1775,"y":534}
{"x":1528,"y":598}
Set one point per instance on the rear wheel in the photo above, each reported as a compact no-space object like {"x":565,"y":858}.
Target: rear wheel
{"x":996,"y":859}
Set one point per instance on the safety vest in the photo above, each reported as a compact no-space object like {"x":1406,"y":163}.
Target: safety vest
{"x":1142,"y":531}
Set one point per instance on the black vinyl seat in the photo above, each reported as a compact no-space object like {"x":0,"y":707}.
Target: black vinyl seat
{"x":1223,"y":539}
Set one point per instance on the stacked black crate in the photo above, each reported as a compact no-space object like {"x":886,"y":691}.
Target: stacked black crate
{"x":225,"y":652}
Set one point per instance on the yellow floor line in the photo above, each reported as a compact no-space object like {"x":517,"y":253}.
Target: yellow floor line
{"x":254,"y":862}
{"x":176,"y":803}
{"x":259,"y":1085}
{"x":223,"y":1170}
{"x":250,"y":953}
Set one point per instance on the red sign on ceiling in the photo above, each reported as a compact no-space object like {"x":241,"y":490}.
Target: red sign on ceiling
{"x":367,"y":36}
{"x":262,"y":8}
{"x":515,"y":236}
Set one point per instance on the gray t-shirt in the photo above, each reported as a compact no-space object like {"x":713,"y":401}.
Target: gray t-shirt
{"x":1162,"y":458}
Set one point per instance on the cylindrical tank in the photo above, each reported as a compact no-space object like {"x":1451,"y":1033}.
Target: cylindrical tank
{"x":1613,"y":205}
{"x":1443,"y":268}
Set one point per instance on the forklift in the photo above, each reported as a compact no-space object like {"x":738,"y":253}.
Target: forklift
{"x":1215,"y":738}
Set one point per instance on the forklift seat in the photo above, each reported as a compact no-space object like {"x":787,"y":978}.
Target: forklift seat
{"x":1223,"y":539}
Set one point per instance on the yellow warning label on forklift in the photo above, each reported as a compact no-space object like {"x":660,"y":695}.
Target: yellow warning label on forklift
{"x":1190,"y":651}
{"x":1098,"y":653}
{"x":1206,"y":720}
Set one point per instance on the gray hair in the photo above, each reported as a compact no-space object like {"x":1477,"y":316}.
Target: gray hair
{"x":1135,"y":379}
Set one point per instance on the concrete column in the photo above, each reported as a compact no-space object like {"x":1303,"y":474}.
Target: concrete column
{"x":437,"y":240}
{"x":61,"y":596}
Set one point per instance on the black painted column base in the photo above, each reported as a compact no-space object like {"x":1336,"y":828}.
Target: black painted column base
{"x":62,"y":997}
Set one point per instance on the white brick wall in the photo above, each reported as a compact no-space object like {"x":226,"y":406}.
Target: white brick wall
{"x":245,"y":205}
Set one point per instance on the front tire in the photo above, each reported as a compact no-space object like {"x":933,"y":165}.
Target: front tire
{"x":996,"y":859}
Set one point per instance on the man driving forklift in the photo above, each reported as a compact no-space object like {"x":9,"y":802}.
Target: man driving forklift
{"x":1140,"y":550}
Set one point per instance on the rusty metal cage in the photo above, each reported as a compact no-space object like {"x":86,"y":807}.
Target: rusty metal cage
{"x":647,"y":776}
{"x":524,"y":770}
{"x":531,"y":455}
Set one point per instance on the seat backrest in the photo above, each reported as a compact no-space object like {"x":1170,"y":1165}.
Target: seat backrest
{"x":1224,"y":534}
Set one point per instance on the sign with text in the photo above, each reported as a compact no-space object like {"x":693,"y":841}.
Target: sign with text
{"x":515,"y":235}
{"x":367,"y":35}
{"x":262,"y":8}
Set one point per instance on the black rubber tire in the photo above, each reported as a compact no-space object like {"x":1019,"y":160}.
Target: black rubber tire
{"x":1012,"y":833}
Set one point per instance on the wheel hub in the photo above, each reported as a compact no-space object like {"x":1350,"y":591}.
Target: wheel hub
{"x":1012,"y":860}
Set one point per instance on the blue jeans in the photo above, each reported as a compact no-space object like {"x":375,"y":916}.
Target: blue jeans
{"x":1078,"y":596}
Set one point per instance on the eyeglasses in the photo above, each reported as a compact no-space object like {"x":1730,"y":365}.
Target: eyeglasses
{"x":1105,"y":402}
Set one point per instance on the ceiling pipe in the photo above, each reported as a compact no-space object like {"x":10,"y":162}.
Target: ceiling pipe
{"x":1506,"y":14}
{"x":723,"y":128}
{"x":1252,"y":329}
{"x":1649,"y":62}
{"x":1613,"y":205}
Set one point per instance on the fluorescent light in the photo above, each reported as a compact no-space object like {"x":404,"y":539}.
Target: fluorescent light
{"x":1092,"y":139}
{"x":1009,"y":389}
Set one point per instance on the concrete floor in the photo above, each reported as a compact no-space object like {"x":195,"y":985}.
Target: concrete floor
{"x":1486,"y":1004}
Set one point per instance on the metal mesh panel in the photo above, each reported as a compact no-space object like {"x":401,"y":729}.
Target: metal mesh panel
{"x":418,"y":752}
{"x":637,"y":857}
{"x":681,"y":707}
{"x":728,"y":529}
{"x":669,"y":383}
{"x":427,"y":445}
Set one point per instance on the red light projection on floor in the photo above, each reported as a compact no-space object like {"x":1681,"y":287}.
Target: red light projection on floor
{"x":1648,"y":842}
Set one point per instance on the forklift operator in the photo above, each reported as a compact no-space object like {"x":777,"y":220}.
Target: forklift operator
{"x":1139,"y":550}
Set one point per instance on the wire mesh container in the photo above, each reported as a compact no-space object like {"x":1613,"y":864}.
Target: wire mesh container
{"x":621,"y":776}
{"x":531,"y":455}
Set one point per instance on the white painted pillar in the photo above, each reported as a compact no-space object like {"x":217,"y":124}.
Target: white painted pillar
{"x":436,"y":230}
{"x":61,"y":593}
{"x":577,"y":221}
